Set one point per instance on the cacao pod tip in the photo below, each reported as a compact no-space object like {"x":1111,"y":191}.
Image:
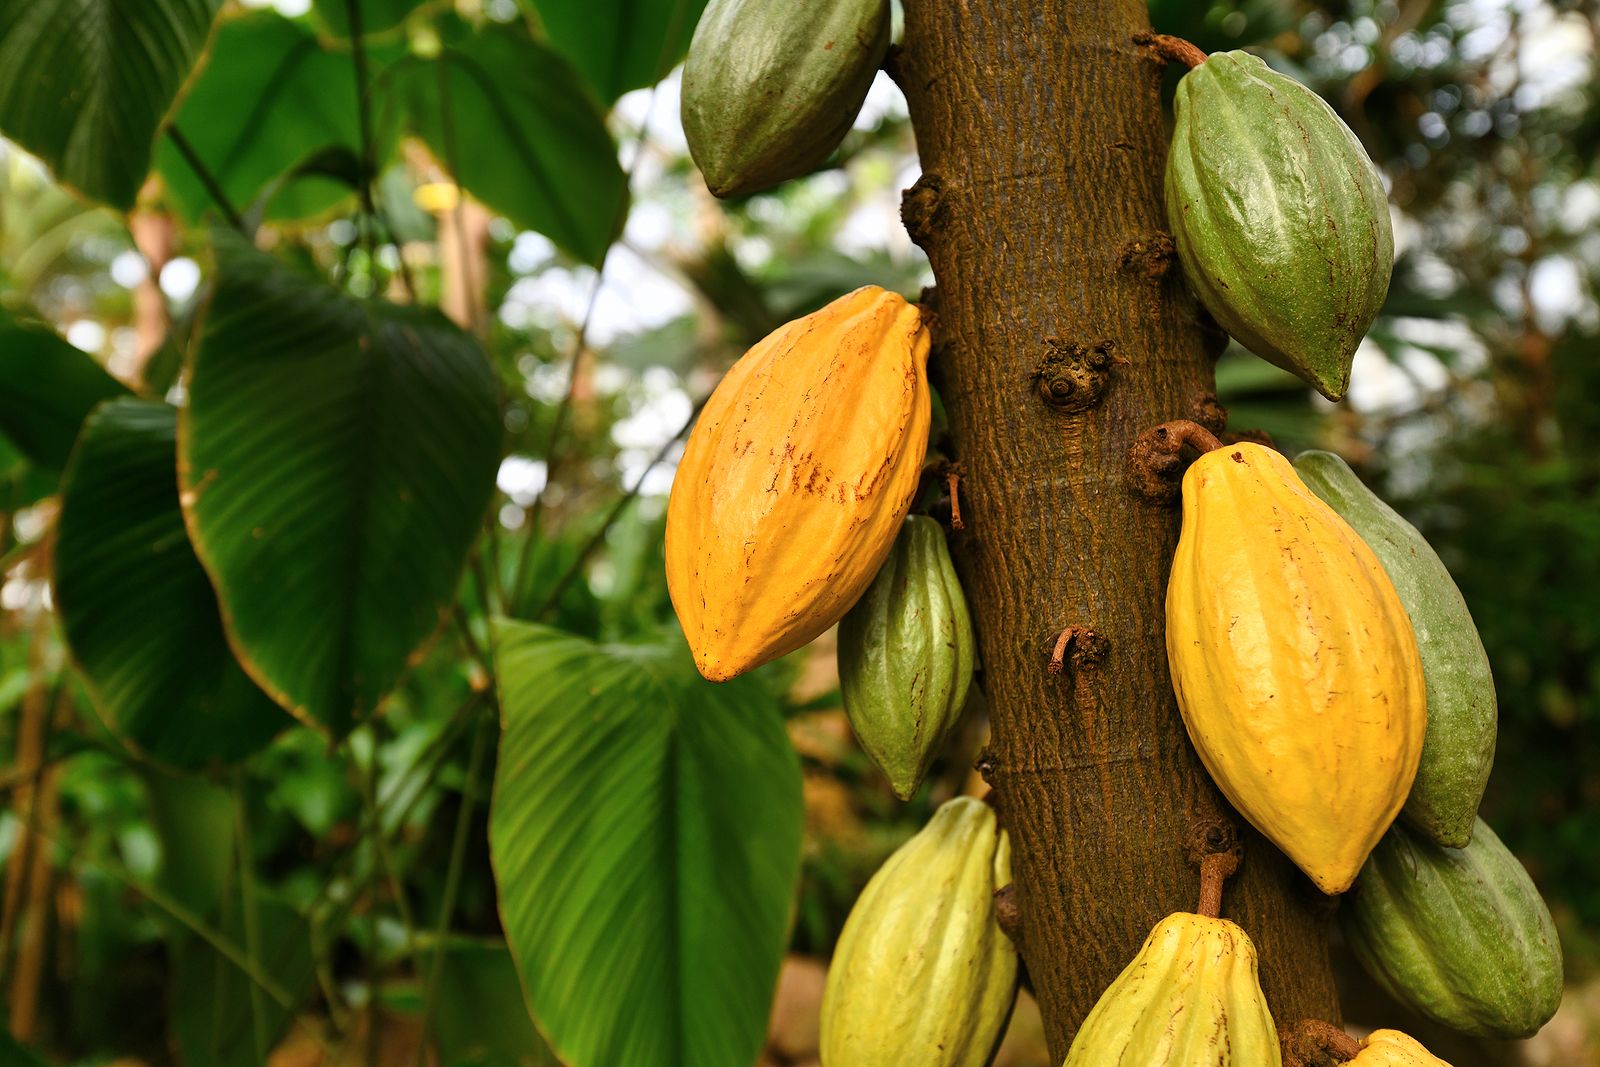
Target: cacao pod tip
{"x":1447,"y":833}
{"x":1336,"y":882}
{"x":1334,"y":388}
{"x":713,"y":670}
{"x":904,"y":790}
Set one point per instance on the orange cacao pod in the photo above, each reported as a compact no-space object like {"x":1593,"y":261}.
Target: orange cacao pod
{"x":796,"y":479}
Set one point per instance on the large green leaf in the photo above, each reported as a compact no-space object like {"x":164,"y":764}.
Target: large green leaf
{"x":270,"y":97}
{"x":620,"y":44}
{"x":85,"y":84}
{"x":218,"y":1014}
{"x":645,"y":833}
{"x":47,"y":389}
{"x":377,"y":16}
{"x":138,"y":613}
{"x":194,"y":820}
{"x":526,"y":138}
{"x":336,"y":459}
{"x":481,"y":1019}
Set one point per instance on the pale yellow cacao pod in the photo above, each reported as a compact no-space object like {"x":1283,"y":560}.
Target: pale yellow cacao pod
{"x":796,"y":479}
{"x":1190,"y":998}
{"x":922,"y":973}
{"x":1391,"y":1048}
{"x":1293,"y":662}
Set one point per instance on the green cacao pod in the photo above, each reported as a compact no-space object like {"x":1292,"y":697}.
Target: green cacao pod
{"x":1458,"y":748}
{"x":771,"y":87}
{"x":1279,"y":215}
{"x":922,"y":973}
{"x":1458,"y":934}
{"x":906,"y":655}
{"x":1190,"y":998}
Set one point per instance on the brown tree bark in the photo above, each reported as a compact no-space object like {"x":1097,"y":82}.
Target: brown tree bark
{"x":1064,"y":331}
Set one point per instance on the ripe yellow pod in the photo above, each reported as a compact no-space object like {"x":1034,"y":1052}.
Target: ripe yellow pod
{"x":1293,"y":661}
{"x":922,"y":973}
{"x":1391,"y":1048}
{"x":796,"y":479}
{"x":1190,"y":998}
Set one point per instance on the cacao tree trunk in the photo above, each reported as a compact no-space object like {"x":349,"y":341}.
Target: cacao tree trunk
{"x":1063,"y":332}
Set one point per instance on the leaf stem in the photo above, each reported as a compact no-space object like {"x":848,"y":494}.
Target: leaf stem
{"x":576,"y":567}
{"x":375,"y":217}
{"x":553,"y":459}
{"x":213,"y":187}
{"x":197,"y":926}
{"x":247,"y":902}
{"x":452,"y":883}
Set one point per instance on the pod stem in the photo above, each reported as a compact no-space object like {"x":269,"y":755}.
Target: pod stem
{"x":1311,"y":1043}
{"x":1215,"y":868}
{"x":1186,"y":432}
{"x":1172,"y":49}
{"x":1155,"y":460}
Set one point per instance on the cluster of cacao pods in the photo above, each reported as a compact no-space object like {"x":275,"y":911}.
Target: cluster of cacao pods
{"x":796,"y":480}
{"x":789,"y":514}
{"x":1331,"y":679}
{"x":1324,"y":662}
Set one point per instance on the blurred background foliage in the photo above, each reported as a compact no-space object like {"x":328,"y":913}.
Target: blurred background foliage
{"x":1475,"y":408}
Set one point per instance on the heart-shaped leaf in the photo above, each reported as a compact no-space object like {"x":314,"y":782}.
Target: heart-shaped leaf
{"x":525,"y":137}
{"x":337,"y":458}
{"x":270,"y":97}
{"x":85,"y":84}
{"x":47,"y":389}
{"x":138,"y":612}
{"x":620,"y":44}
{"x":645,"y":833}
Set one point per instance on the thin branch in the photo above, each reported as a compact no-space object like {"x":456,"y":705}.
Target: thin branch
{"x":247,"y":901}
{"x":207,"y":179}
{"x":576,"y":567}
{"x":553,"y":460}
{"x":358,"y":56}
{"x":369,"y":797}
{"x":192,"y":922}
{"x":369,"y":157}
{"x":428,"y":761}
{"x":452,"y":884}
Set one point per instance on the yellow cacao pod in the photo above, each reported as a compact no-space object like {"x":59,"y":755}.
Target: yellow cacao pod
{"x":1293,"y":662}
{"x":1190,"y":998}
{"x":922,"y":973}
{"x":796,"y":479}
{"x":1391,"y":1048}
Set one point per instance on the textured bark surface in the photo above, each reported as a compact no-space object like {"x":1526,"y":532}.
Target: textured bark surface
{"x":1061,"y":336}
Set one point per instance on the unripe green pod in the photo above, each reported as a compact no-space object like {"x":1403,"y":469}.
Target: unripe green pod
{"x":771,"y":87}
{"x":1457,"y":934}
{"x":922,"y":973}
{"x":1458,"y":748}
{"x":1279,"y":217}
{"x":906,"y":656}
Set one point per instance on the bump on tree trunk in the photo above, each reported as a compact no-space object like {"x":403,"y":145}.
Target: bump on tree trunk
{"x":1063,"y":331}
